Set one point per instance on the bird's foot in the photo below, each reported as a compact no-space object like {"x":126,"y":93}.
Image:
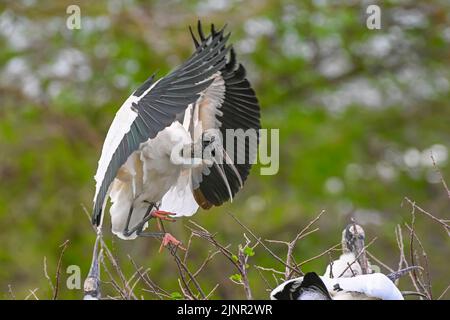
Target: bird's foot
{"x":170,"y":240}
{"x":163,"y":215}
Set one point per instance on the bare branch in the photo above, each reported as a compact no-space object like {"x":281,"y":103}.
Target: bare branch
{"x":320,"y":254}
{"x":265,"y":247}
{"x":58,"y":268}
{"x":440,"y":221}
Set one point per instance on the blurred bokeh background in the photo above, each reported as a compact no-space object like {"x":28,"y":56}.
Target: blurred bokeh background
{"x":359,"y":111}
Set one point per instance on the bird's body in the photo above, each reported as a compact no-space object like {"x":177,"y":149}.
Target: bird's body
{"x":147,"y":176}
{"x":346,"y":266}
{"x":148,"y":165}
{"x":344,"y":279}
{"x":375,"y":286}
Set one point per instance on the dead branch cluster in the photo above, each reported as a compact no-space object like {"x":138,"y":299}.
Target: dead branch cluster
{"x":140,"y":284}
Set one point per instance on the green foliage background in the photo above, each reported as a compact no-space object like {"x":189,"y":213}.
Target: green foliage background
{"x":358,"y":110}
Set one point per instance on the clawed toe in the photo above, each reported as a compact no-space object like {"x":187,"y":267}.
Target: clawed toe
{"x":168,"y":240}
{"x":163,"y":215}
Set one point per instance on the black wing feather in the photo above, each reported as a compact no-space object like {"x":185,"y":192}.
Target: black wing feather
{"x":240,"y":111}
{"x":311,"y":283}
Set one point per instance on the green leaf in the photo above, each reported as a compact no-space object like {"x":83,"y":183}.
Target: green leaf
{"x":249,"y":252}
{"x":236,"y":277}
{"x":176,"y":296}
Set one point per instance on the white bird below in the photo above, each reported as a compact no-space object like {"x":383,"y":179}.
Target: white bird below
{"x":375,"y":286}
{"x":345,"y":278}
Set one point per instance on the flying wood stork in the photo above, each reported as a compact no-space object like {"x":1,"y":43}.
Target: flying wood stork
{"x":150,"y":164}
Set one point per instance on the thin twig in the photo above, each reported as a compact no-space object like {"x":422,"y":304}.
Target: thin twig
{"x":153,"y":287}
{"x":270,"y":269}
{"x":379,"y":262}
{"x":11,"y":293}
{"x":204,"y":263}
{"x":264,"y":246}
{"x":58,"y":268}
{"x":47,"y":276}
{"x":320,"y":254}
{"x":269,"y":287}
{"x":183,"y":267}
{"x":427,"y":289}
{"x":356,"y":258}
{"x":211,"y":292}
{"x":441,"y":176}
{"x":440,"y":221}
{"x":444,"y":292}
{"x":33,"y":294}
{"x":403,"y":261}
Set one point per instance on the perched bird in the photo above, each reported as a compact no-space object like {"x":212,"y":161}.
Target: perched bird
{"x":353,"y":261}
{"x":169,"y":148}
{"x":353,"y":243}
{"x":348,"y":278}
{"x":375,"y":286}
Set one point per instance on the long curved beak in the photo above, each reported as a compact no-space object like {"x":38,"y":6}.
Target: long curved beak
{"x":400,"y":273}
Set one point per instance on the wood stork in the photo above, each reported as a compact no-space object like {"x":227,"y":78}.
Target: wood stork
{"x":149,"y":165}
{"x":375,"y":286}
{"x":353,"y":238}
{"x":353,"y":260}
{"x":348,"y":278}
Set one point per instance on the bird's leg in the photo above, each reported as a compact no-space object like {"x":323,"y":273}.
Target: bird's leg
{"x":167,"y":238}
{"x":141,"y":224}
{"x":126,"y":232}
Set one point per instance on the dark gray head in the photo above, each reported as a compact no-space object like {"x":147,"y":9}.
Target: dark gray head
{"x":353,"y":238}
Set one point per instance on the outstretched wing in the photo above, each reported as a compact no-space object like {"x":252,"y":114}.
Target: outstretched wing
{"x":230,"y":106}
{"x":153,"y":107}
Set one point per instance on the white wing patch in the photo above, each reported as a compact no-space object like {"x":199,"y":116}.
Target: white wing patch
{"x":119,"y":128}
{"x":204,"y":117}
{"x":179,"y":199}
{"x":210,"y":102}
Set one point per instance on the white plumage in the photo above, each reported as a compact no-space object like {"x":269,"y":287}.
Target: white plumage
{"x":362,"y":287}
{"x":345,"y":266}
{"x":374,"y":286}
{"x":149,"y":176}
{"x":119,"y":127}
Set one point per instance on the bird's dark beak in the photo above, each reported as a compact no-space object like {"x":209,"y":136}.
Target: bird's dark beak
{"x":394,"y":276}
{"x":360,"y":252}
